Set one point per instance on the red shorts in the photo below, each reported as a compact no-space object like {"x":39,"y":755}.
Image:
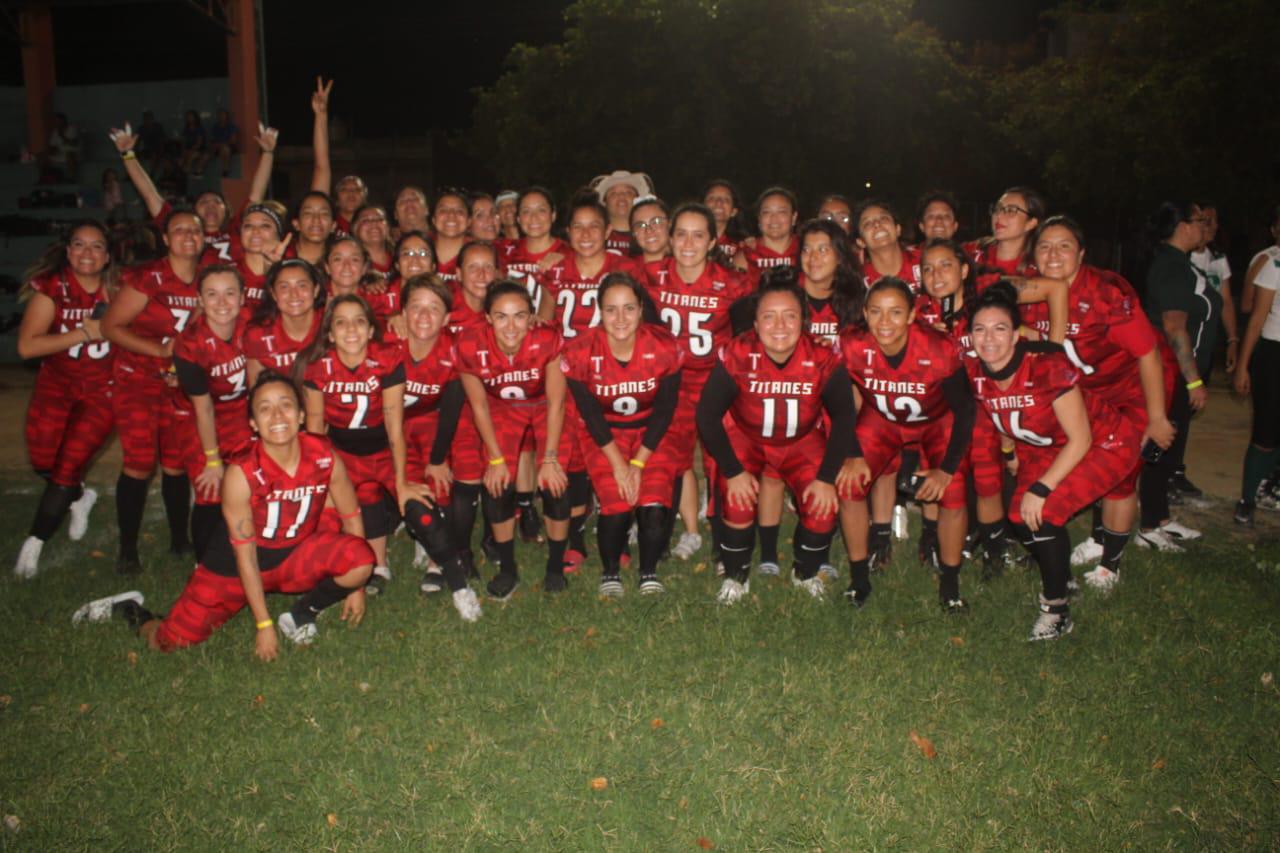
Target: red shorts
{"x":143,"y":409}
{"x":467,"y":454}
{"x":371,"y":475}
{"x":657,"y":478}
{"x":576,"y":431}
{"x":683,"y":431}
{"x":1131,"y":405}
{"x":232,"y":441}
{"x":209,"y":599}
{"x":68,"y":422}
{"x":986,"y":465}
{"x":882,"y":444}
{"x":514,"y":422}
{"x":419,"y":435}
{"x":1103,"y":467}
{"x":796,"y":464}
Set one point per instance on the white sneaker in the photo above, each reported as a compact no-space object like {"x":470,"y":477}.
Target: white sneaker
{"x":814,"y":585}
{"x":731,"y":591}
{"x":300,"y":635}
{"x":1087,"y":553}
{"x":79,"y":512}
{"x":420,"y":558}
{"x":770,"y":569}
{"x":1179,"y":531}
{"x":1050,"y":625}
{"x":633,"y":536}
{"x":611,"y":587}
{"x":899,"y":523}
{"x":100,"y":610}
{"x":467,"y":604}
{"x":687,"y":546}
{"x":29,"y":558}
{"x":1159,"y":540}
{"x":828,"y":572}
{"x":702,"y":507}
{"x":1102,"y":579}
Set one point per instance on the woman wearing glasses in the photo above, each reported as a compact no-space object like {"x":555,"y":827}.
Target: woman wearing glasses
{"x":1014,"y":219}
{"x":651,"y":228}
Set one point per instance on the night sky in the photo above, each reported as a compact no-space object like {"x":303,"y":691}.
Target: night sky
{"x":405,"y":70}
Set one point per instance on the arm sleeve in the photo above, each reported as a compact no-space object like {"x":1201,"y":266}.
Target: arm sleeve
{"x":742,"y":315}
{"x":664,"y":410}
{"x":956,"y":390}
{"x":450,"y":410}
{"x":395,"y":377}
{"x":191,"y":377}
{"x":591,"y":411}
{"x":717,"y":396}
{"x":837,"y":396}
{"x":649,"y":310}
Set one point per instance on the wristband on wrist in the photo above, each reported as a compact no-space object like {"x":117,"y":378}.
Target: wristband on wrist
{"x":498,"y":460}
{"x":265,"y":623}
{"x":213,"y":452}
{"x":638,"y":463}
{"x":1008,"y":453}
{"x":128,"y":155}
{"x":1191,"y":386}
{"x":241,"y":541}
{"x":213,"y":463}
{"x":1039,"y":489}
{"x":551,"y":460}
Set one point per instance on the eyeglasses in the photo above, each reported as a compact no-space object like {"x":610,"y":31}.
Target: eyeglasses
{"x":371,"y":219}
{"x":646,"y":224}
{"x":1008,"y":210}
{"x":832,"y":216}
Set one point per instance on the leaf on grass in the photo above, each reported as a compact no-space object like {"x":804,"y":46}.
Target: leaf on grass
{"x":364,"y":686}
{"x":958,"y":642}
{"x":132,"y":658}
{"x":591,"y":632}
{"x":706,"y":843}
{"x":331,"y":819}
{"x":84,"y":707}
{"x":1267,"y":679}
{"x":1158,"y":764}
{"x":12,"y":822}
{"x":5,"y":700}
{"x":599,"y":783}
{"x":259,"y":699}
{"x":924,"y":745}
{"x":699,"y":568}
{"x":656,"y":723}
{"x":97,"y":553}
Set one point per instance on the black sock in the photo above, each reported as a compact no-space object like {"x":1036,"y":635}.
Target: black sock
{"x":879,"y":536}
{"x":768,"y":542}
{"x":860,"y":577}
{"x":206,"y":521}
{"x":653,"y":534}
{"x":507,"y":557}
{"x":1052,"y":549}
{"x":611,"y":535}
{"x":929,"y":529}
{"x":524,"y":500}
{"x":736,"y":546}
{"x":176,"y":491}
{"x":577,"y":533}
{"x":52,"y":509}
{"x":992,"y":536}
{"x":462,"y":514}
{"x":811,"y":551}
{"x":949,"y":583}
{"x":131,"y":500}
{"x":717,"y":537}
{"x":555,"y":556}
{"x":310,"y":604}
{"x":1098,"y":529}
{"x":1113,"y":548}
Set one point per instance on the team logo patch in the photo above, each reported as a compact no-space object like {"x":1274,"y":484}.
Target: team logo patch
{"x":324,"y":462}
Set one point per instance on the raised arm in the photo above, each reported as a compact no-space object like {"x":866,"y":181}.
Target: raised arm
{"x":125,"y":141}
{"x":267,"y":138}
{"x":321,"y":171}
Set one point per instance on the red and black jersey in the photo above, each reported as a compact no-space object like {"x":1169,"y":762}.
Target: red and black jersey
{"x":221,"y":246}
{"x":824,"y":325}
{"x":272,"y":347}
{"x":990,"y":268}
{"x":341,"y":225}
{"x":286,"y":508}
{"x":762,"y":258}
{"x":697,"y":314}
{"x":1024,"y":410}
{"x":626,"y":390}
{"x":516,"y":261}
{"x":353,"y":395}
{"x":911,"y":393}
{"x":461,"y":315}
{"x":511,"y":378}
{"x":619,"y":241}
{"x":728,"y":246}
{"x":424,"y":381}
{"x":1107,"y":331}
{"x":171,"y":303}
{"x":776,"y":403}
{"x":575,"y":294}
{"x":207,"y":364}
{"x":255,"y":286}
{"x":448,"y":270}
{"x":908,"y":272}
{"x":929,"y":313}
{"x":86,"y":362}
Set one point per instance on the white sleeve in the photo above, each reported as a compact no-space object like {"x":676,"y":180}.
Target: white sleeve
{"x":1268,"y":276}
{"x":1222,"y":267}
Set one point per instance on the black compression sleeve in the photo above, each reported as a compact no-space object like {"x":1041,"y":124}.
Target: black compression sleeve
{"x":837,"y":397}
{"x":717,"y":396}
{"x":592,"y":413}
{"x":451,"y":401}
{"x":956,"y":390}
{"x":742,"y":314}
{"x":395,"y":377}
{"x":191,"y":377}
{"x":664,"y":409}
{"x":649,"y":311}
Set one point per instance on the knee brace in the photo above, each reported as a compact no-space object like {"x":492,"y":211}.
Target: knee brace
{"x":579,"y":490}
{"x":503,"y":507}
{"x":380,"y":518}
{"x":556,"y":508}
{"x":428,"y":526}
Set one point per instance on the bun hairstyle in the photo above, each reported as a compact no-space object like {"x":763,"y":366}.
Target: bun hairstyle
{"x":1166,"y":219}
{"x":1001,"y":295}
{"x":781,"y":280}
{"x":619,"y":279}
{"x":889,"y":282}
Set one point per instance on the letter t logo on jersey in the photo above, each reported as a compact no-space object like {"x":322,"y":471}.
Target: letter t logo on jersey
{"x":755,"y":360}
{"x":483,"y":354}
{"x":596,"y":362}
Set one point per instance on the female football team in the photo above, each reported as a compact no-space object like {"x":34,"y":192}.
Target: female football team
{"x":314,"y":387}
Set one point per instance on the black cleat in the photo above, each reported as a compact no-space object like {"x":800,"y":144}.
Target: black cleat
{"x":530,"y":525}
{"x":879,"y":556}
{"x":927,"y":550}
{"x":857,"y":596}
{"x":490,"y":547}
{"x":502,"y":585}
{"x":133,"y":613}
{"x":128,"y":564}
{"x":1244,"y":514}
{"x":954,"y":606}
{"x":555,"y":582}
{"x":1179,"y":483}
{"x":182,"y":550}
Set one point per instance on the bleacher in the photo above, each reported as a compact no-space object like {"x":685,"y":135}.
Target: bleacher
{"x":25,"y":231}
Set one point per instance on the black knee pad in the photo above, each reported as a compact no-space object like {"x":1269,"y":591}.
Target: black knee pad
{"x":579,"y":490}
{"x":652,"y":519}
{"x":812,"y":550}
{"x":428,"y":526}
{"x":380,"y":518}
{"x":556,"y":508}
{"x":502,"y":508}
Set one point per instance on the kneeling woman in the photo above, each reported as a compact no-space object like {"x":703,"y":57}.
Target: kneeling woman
{"x":511,"y":373}
{"x":272,"y":498}
{"x":775,"y":382}
{"x":1073,"y":447}
{"x":625,"y":377}
{"x":913,"y":392}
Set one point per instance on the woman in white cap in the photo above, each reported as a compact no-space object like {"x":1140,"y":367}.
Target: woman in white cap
{"x":617,"y":191}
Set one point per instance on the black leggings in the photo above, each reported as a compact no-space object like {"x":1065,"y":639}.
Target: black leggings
{"x":1264,"y":374}
{"x":1153,"y":485}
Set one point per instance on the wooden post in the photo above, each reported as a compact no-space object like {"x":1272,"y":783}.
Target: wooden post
{"x":242,"y":84}
{"x":35,"y":24}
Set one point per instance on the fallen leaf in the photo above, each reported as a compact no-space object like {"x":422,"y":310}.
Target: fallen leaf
{"x":331,"y":819}
{"x":259,"y":699}
{"x":1267,"y":679}
{"x":599,"y":783}
{"x":431,"y":747}
{"x":924,"y":744}
{"x":699,"y":568}
{"x":84,"y":708}
{"x":5,"y":700}
{"x":958,"y":642}
{"x":364,"y":686}
{"x":12,"y":823}
{"x":706,"y":843}
{"x":656,"y":723}
{"x":97,"y":553}
{"x":1158,"y":764}
{"x":591,"y":632}
{"x":132,"y":658}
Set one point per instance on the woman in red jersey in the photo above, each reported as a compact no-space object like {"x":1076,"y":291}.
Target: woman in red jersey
{"x":693,"y":295}
{"x":413,"y":257}
{"x":777,"y":386}
{"x":349,"y":271}
{"x":1014,"y":218}
{"x":273,"y":497}
{"x":450,"y":219}
{"x":69,"y":417}
{"x":370,"y":227}
{"x":287,"y":319}
{"x":625,"y":376}
{"x":651,"y":227}
{"x":777,"y":245}
{"x":522,"y":259}
{"x":913,"y":392}
{"x":262,"y":243}
{"x":879,"y":235}
{"x":722,"y":199}
{"x":411,"y":211}
{"x":511,"y":373}
{"x":1073,"y":447}
{"x":155,"y":303}
{"x":312,"y":227}
{"x":1111,"y":341}
{"x":484,"y":217}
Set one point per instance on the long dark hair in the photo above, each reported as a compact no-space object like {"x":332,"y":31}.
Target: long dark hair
{"x":53,"y":260}
{"x":315,"y":350}
{"x":715,"y":254}
{"x":969,"y":285}
{"x":849,"y":287}
{"x":267,"y":311}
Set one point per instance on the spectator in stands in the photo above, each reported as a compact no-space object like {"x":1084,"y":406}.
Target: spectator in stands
{"x":113,"y":197}
{"x":224,"y":140}
{"x":151,"y":139}
{"x":61,"y":158}
{"x":194,"y":143}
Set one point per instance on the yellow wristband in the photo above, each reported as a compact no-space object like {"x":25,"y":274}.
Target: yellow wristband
{"x":129,"y":155}
{"x":213,"y":463}
{"x":1191,"y":386}
{"x":213,"y":452}
{"x":498,"y":460}
{"x":265,"y":623}
{"x":637,"y":463}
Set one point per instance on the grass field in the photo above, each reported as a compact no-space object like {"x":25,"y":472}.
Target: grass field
{"x":653,"y":724}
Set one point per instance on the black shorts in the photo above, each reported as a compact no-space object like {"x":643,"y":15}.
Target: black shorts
{"x":1264,"y":374}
